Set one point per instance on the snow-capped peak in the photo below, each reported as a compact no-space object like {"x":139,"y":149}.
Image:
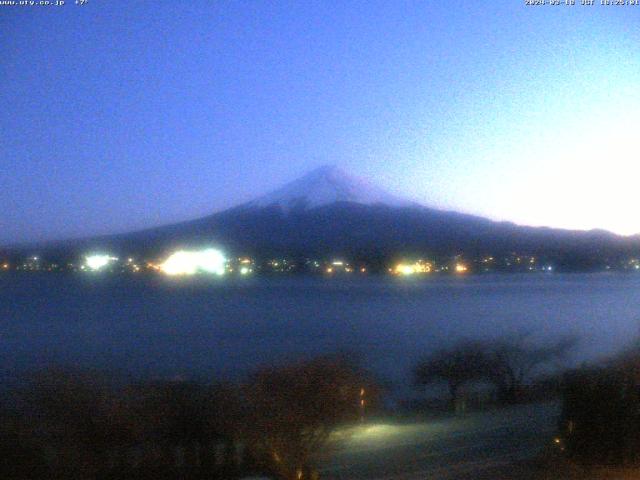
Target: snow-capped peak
{"x":326,"y":185}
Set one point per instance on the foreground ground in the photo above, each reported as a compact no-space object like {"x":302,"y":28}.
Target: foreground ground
{"x":548,"y":466}
{"x":496,"y":444}
{"x":510,"y":444}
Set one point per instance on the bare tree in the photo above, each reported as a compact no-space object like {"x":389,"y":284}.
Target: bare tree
{"x":464,"y":362}
{"x":291,"y":412}
{"x":508,"y":363}
{"x":511,"y":362}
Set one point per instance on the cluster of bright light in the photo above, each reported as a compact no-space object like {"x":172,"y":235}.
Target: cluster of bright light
{"x":246,"y":265}
{"x":338,"y":266}
{"x":185,"y":262}
{"x":413,"y":268}
{"x":404,"y":269}
{"x":461,"y":268}
{"x":98,"y":262}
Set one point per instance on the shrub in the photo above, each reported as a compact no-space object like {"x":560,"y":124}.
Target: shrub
{"x":600,"y":419}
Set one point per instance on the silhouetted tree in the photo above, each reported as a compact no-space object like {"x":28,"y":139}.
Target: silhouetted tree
{"x":600,"y":421}
{"x":511,"y":362}
{"x":508,"y":363}
{"x":75,"y":420}
{"x":184,"y":420}
{"x":457,"y":365}
{"x":76,"y":425}
{"x":292,"y":410}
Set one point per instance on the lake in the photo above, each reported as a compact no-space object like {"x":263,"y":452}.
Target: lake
{"x":211,"y":327}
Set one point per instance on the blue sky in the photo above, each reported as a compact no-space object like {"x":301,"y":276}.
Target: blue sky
{"x":120,"y":115}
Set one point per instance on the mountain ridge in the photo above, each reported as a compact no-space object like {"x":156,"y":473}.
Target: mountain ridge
{"x":328,"y":212}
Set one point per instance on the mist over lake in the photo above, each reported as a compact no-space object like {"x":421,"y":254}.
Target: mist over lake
{"x":209,"y":327}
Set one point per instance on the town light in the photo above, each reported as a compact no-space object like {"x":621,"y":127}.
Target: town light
{"x":411,"y":268}
{"x":98,"y":262}
{"x":185,"y":262}
{"x":405,"y":269}
{"x":461,"y":268}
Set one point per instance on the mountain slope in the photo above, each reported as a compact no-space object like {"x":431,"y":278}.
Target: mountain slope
{"x":324,"y":186}
{"x":328,"y":212}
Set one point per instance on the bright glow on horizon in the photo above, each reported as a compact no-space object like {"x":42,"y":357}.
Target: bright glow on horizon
{"x":405,"y":269}
{"x":98,"y":262}
{"x":184,"y":262}
{"x":461,"y":268}
{"x":574,"y":178}
{"x":412,"y":268}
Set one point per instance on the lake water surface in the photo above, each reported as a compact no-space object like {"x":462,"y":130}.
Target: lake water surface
{"x":223,"y":327}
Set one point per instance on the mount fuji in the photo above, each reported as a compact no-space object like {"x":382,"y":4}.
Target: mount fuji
{"x":324,"y":186}
{"x":330,"y":213}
